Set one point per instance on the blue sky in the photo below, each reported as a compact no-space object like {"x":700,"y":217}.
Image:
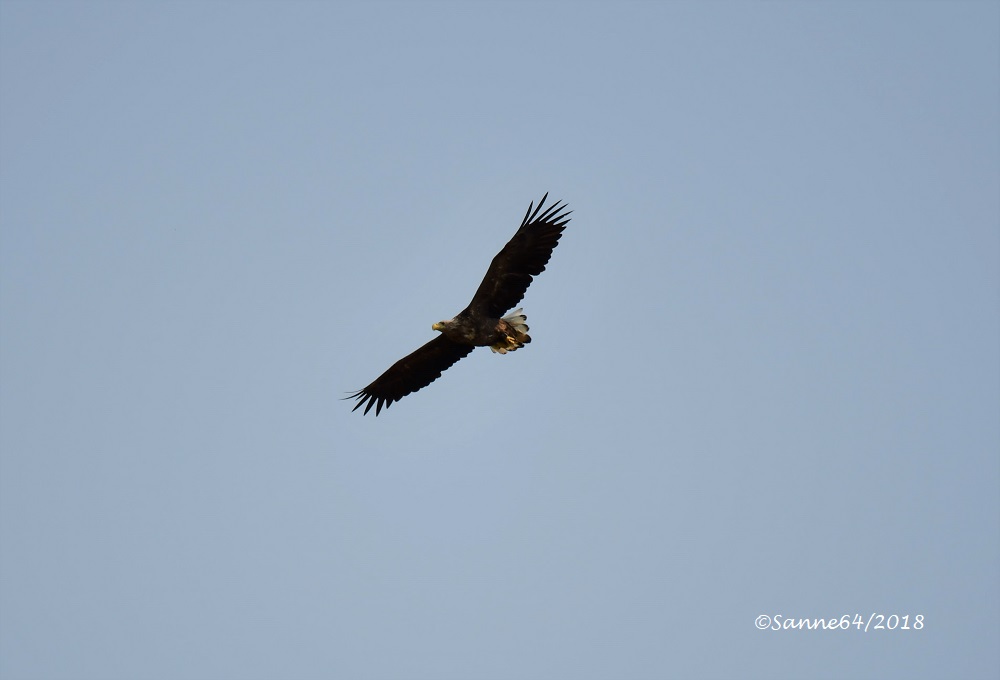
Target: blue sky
{"x":764,"y":376}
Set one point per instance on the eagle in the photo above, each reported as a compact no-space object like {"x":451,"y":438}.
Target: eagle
{"x":484,"y":322}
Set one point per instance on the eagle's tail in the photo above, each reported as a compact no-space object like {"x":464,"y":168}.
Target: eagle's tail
{"x":517,"y":332}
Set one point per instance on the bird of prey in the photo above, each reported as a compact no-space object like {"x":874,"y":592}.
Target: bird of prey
{"x":484,"y":322}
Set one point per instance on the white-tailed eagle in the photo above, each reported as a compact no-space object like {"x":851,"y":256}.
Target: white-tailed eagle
{"x":483,"y":323}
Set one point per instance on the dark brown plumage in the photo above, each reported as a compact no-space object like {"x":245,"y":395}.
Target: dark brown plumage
{"x":482,"y":323}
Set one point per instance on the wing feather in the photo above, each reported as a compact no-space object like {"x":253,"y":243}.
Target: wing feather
{"x":525,"y":256}
{"x":411,"y":373}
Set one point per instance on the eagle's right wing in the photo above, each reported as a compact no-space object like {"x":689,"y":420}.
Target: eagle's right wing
{"x":524,"y":256}
{"x":409,"y":374}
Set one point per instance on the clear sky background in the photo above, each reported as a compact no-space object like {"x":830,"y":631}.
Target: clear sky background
{"x":765,"y":375}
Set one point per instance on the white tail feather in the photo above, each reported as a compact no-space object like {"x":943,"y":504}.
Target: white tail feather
{"x":517,"y":320}
{"x":518,"y":334}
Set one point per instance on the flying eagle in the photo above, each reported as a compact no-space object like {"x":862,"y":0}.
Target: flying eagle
{"x":482,"y":323}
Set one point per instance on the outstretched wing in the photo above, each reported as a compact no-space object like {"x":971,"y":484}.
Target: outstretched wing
{"x":409,"y":374}
{"x":524,"y":256}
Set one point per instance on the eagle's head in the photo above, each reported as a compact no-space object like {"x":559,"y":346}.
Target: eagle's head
{"x":456,"y":330}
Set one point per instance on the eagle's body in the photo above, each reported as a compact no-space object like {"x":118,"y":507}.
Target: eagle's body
{"x":501,"y":335}
{"x":482,"y":323}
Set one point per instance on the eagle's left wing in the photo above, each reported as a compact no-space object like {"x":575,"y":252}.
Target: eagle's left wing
{"x":414,"y":371}
{"x":524,"y":256}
